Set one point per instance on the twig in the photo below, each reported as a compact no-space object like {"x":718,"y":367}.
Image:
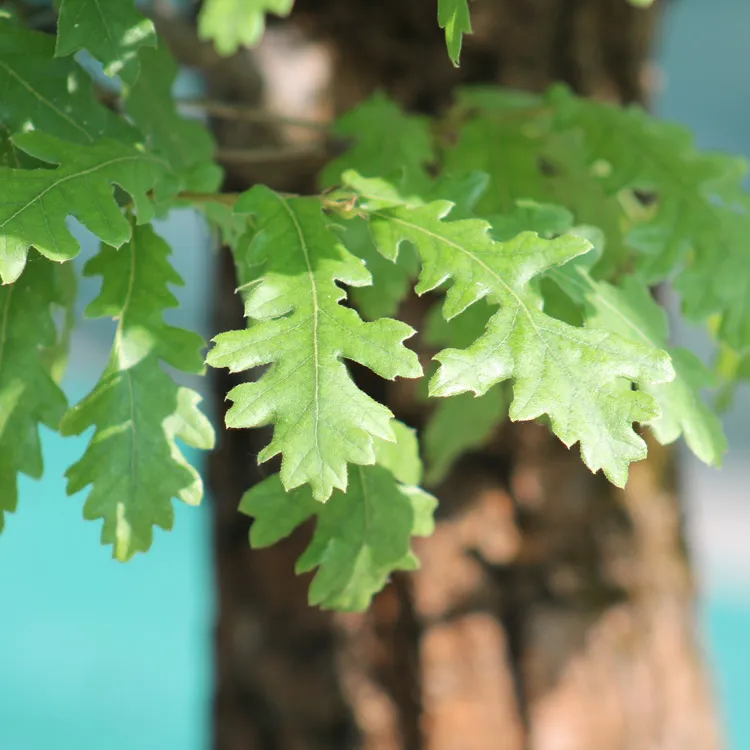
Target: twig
{"x":248,"y":113}
{"x":264,"y":155}
{"x":228,"y":199}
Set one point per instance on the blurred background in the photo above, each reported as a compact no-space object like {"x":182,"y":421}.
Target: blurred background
{"x":92,"y":648}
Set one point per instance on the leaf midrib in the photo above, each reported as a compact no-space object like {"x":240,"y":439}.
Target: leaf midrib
{"x":315,"y":316}
{"x":44,"y":100}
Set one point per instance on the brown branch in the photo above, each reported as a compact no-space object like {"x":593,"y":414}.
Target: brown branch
{"x":228,"y":199}
{"x":247,"y":113}
{"x":270,"y":154}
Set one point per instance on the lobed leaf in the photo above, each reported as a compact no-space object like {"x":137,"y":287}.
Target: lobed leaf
{"x":391,"y":281}
{"x":459,"y":423}
{"x":113,"y":31}
{"x":580,"y":378}
{"x":233,"y":23}
{"x":632,"y":312}
{"x":322,"y":421}
{"x":28,"y":394}
{"x":702,"y":218}
{"x":133,"y":461}
{"x":511,"y":139}
{"x":387,"y":142}
{"x":361,"y":536}
{"x":186,"y":144}
{"x":38,"y":201}
{"x":48,"y":94}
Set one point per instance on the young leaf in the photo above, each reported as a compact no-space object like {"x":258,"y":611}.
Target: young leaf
{"x":233,"y":23}
{"x":361,"y":536}
{"x":133,"y":461}
{"x":186,"y":144}
{"x":453,"y":16}
{"x":28,"y":394}
{"x":577,"y":377}
{"x":113,"y":31}
{"x":630,"y":311}
{"x":322,"y":420}
{"x":39,"y":200}
{"x":387,"y":142}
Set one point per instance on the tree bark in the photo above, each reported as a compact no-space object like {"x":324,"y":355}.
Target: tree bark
{"x":552,"y":611}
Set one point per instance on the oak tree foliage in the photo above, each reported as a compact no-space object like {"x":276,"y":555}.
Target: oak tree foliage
{"x":524,"y":216}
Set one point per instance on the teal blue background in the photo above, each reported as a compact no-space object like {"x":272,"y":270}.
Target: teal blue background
{"x":95,"y":655}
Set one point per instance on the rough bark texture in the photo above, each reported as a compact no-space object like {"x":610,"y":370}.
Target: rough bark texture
{"x":552,"y":612}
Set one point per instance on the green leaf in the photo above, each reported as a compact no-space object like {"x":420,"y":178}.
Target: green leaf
{"x":48,"y":94}
{"x":133,"y":461}
{"x":401,"y":457}
{"x":55,"y":357}
{"x":391,"y":281}
{"x":453,"y":16}
{"x":28,"y":394}
{"x":387,"y":142}
{"x":529,"y":216}
{"x":512,"y":139}
{"x":185,"y":144}
{"x":702,"y":218}
{"x":233,"y":23}
{"x":322,"y":420}
{"x":113,"y":31}
{"x":716,"y":281}
{"x":39,"y":200}
{"x":631,"y":312}
{"x":231,"y":226}
{"x":731,"y":368}
{"x":460,"y":423}
{"x":361,"y":536}
{"x":578,"y":377}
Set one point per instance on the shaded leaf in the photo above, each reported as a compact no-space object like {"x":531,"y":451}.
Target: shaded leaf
{"x":133,"y":461}
{"x":387,"y":142}
{"x":701,"y":221}
{"x":460,"y":423}
{"x":48,"y":94}
{"x":113,"y":31}
{"x":28,"y":394}
{"x":186,"y":144}
{"x":361,"y":536}
{"x":527,"y":159}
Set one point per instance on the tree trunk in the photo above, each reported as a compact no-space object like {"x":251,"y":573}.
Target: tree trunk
{"x":552,"y":612}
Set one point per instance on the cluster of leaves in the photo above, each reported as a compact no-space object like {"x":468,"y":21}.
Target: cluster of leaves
{"x":233,"y":23}
{"x":541,"y":224}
